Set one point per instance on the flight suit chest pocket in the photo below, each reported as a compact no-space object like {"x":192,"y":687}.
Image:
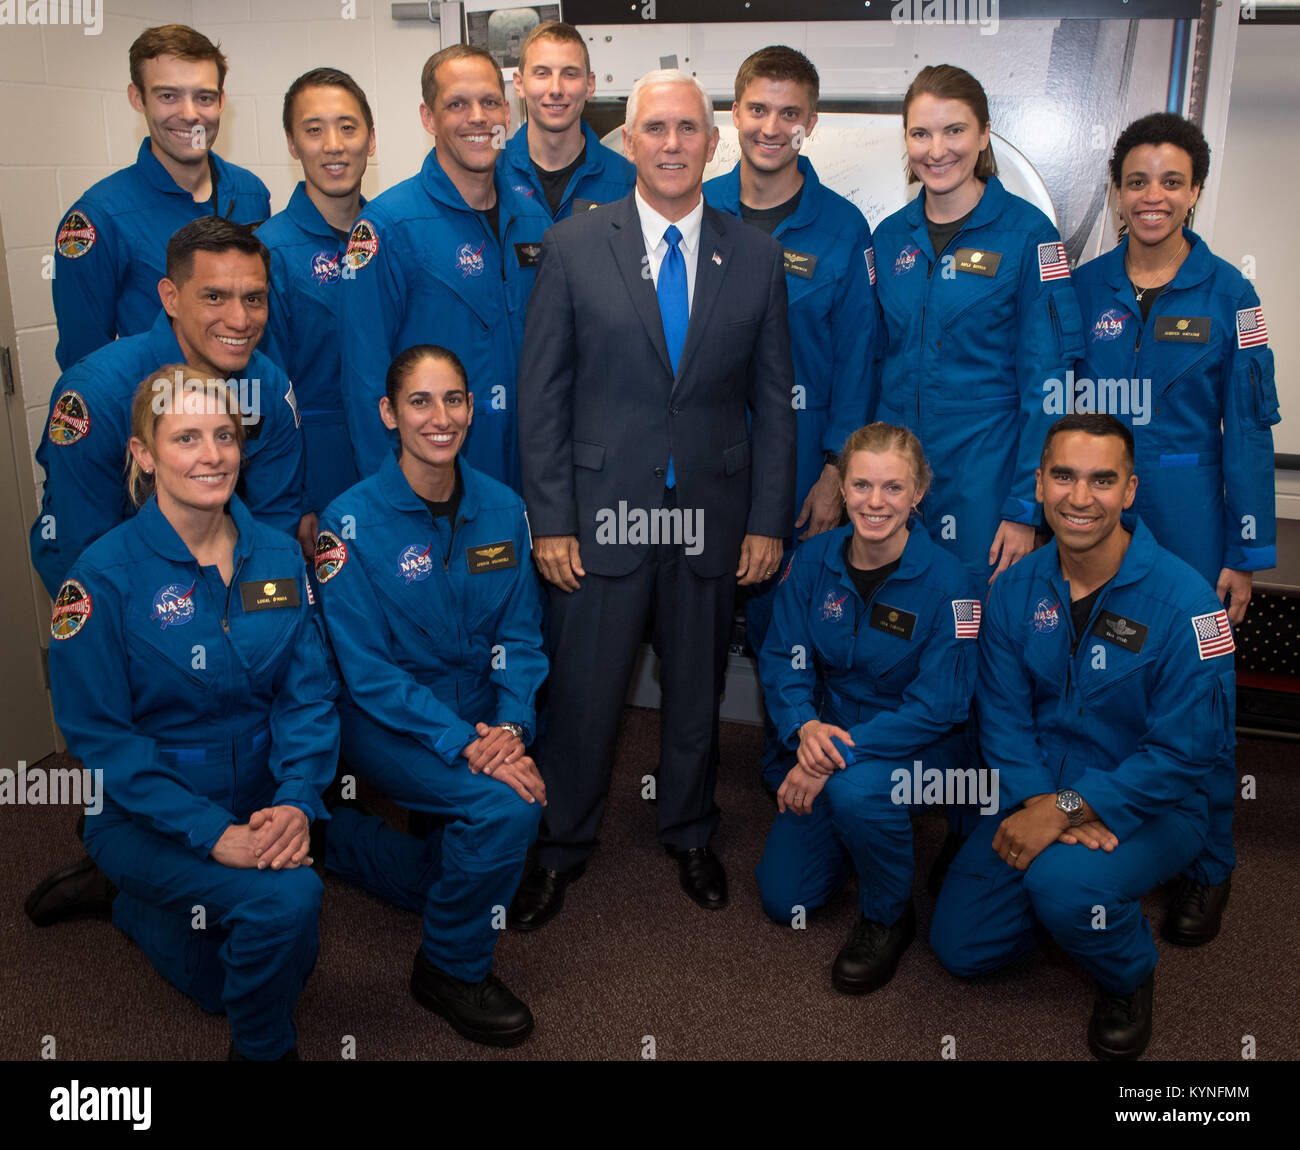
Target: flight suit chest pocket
{"x":174,"y":626}
{"x":890,"y":638}
{"x":1112,"y":676}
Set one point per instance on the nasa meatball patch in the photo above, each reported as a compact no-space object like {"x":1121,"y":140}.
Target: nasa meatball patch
{"x":363,"y":245}
{"x":76,"y":235}
{"x":69,"y":421}
{"x":331,"y":555}
{"x":71,"y":610}
{"x":414,"y":564}
{"x":173,"y":605}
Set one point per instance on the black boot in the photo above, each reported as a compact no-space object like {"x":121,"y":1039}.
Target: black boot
{"x":540,"y":896}
{"x":81,"y":890}
{"x":1121,"y":1023}
{"x":1196,"y":911}
{"x":483,"y":1012}
{"x":868,"y":960}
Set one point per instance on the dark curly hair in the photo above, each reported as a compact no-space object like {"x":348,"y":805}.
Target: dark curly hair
{"x":1162,"y":128}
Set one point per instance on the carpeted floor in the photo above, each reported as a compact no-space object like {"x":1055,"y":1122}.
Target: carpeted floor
{"x":632,"y":959}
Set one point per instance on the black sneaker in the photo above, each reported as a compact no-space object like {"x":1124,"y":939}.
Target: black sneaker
{"x":1120,"y":1027}
{"x":1196,"y":911}
{"x":483,"y":1012}
{"x":868,"y":960}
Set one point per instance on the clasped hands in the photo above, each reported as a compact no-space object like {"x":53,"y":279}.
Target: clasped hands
{"x":275,"y":838}
{"x":818,"y":759}
{"x":1024,"y":835}
{"x":501,"y":755}
{"x":559,"y":562}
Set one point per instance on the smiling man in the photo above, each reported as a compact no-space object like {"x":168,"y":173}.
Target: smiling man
{"x":1106,"y":699}
{"x":214,"y":300}
{"x":446,"y":257}
{"x":555,"y":157}
{"x":110,"y":247}
{"x":656,"y":375}
{"x":329,"y":128}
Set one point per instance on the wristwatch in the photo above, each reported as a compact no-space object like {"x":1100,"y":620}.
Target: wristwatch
{"x":515,"y":729}
{"x":1070,"y":803}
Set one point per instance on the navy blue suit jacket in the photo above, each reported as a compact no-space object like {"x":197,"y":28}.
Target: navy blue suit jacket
{"x":600,"y":408}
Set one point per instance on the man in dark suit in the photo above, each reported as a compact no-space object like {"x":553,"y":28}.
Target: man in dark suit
{"x":658,"y":448}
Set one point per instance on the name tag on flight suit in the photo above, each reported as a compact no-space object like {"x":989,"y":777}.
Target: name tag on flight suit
{"x":267,"y":594}
{"x":1122,"y":632}
{"x":892,"y":620}
{"x":1183,"y":328}
{"x":801,"y":264}
{"x":528,"y":255}
{"x":978,"y":261}
{"x":491,"y":557}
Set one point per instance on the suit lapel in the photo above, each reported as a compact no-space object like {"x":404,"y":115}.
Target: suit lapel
{"x":628,"y":246}
{"x":709,"y":274}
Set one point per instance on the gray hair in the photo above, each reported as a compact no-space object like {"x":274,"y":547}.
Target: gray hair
{"x":667,"y":76}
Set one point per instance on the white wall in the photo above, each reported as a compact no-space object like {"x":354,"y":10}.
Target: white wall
{"x":1257,"y":212}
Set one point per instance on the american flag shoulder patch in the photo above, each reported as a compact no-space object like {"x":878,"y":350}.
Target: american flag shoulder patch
{"x":1251,"y":328}
{"x":1213,"y":635}
{"x":1052,"y":264}
{"x":869,"y":254}
{"x":966,"y":617}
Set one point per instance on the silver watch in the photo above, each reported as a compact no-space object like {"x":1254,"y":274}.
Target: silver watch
{"x":515,"y":729}
{"x":1070,"y":803}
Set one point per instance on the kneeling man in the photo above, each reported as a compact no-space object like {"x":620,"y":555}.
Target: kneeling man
{"x":1106,"y":701}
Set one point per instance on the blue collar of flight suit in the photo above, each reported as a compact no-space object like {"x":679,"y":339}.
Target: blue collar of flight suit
{"x":991,"y":205}
{"x":163,"y":344}
{"x":160,"y":178}
{"x":401,"y":496}
{"x":161,"y":536}
{"x":594,"y":164}
{"x":918,"y":553}
{"x":306,"y":215}
{"x":727,"y":195}
{"x":439,"y":186}
{"x":1195,"y":269}
{"x":1136,"y":565}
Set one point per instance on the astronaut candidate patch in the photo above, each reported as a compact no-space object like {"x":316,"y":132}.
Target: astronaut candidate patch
{"x":331,"y":555}
{"x":69,"y":420}
{"x":71,"y":610}
{"x":76,"y":235}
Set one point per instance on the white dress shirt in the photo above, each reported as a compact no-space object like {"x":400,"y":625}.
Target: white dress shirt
{"x":653,"y":226}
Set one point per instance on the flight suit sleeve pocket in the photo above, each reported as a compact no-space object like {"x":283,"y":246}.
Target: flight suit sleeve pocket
{"x":588,"y":455}
{"x":735,"y":458}
{"x":1263,"y":394}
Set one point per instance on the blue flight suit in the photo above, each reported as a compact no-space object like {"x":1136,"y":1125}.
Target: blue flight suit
{"x":966,"y":356}
{"x":604,"y":176}
{"x":834,"y":334}
{"x":1198,"y":393}
{"x":201,"y":704}
{"x":110,"y":250}
{"x":423,"y":267}
{"x":424,"y":655}
{"x":1135,"y":714}
{"x":304,"y":335}
{"x":84,"y":448}
{"x":898,"y":675}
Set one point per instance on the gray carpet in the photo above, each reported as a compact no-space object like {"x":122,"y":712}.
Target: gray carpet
{"x":632,"y":959}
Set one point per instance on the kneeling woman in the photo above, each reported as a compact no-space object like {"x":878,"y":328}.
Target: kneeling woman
{"x":890,"y":621}
{"x":186,"y":665}
{"x":433,"y":612}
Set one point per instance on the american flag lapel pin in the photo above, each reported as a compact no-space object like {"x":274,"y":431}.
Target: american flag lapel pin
{"x":717,"y":259}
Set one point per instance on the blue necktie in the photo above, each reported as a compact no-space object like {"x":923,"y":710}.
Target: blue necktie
{"x":674,"y":308}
